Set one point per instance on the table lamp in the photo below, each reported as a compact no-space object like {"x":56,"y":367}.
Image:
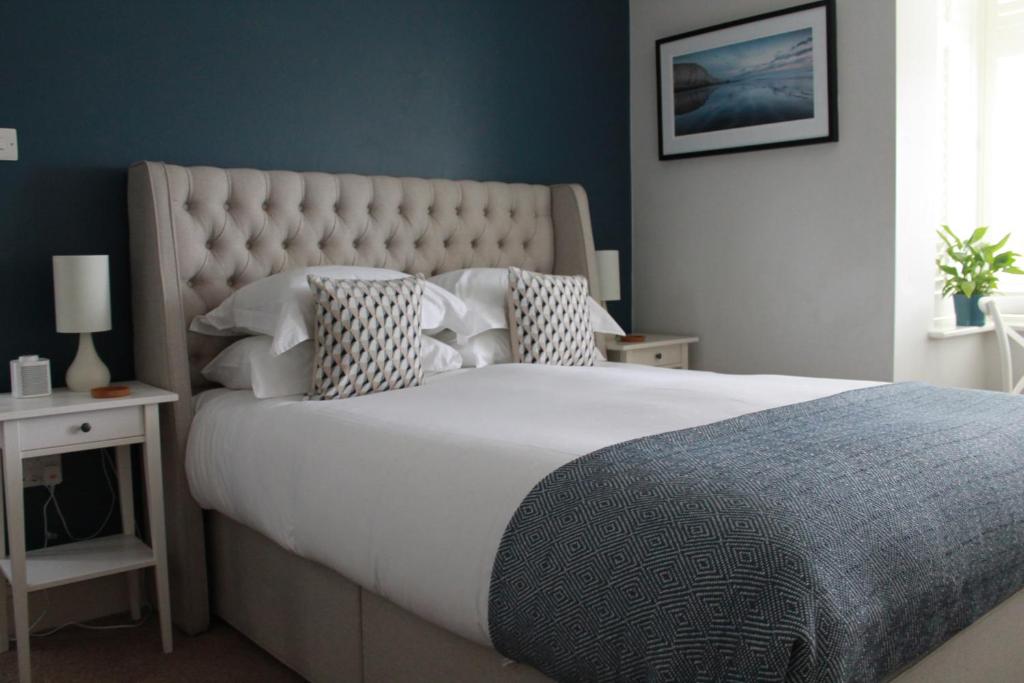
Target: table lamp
{"x":81,"y":292}
{"x":608,"y":275}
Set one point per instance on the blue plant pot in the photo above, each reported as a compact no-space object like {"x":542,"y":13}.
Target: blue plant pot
{"x":968,"y":312}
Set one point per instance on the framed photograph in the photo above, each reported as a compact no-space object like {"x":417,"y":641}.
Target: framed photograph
{"x":758,"y":83}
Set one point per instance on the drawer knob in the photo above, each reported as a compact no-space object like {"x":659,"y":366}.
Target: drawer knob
{"x":86,"y":427}
{"x":657,"y":356}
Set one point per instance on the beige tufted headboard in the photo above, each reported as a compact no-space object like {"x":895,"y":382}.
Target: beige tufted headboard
{"x":198,"y":233}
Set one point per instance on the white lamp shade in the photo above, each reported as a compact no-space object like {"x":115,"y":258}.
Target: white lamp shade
{"x":608,"y":275}
{"x":81,"y":293}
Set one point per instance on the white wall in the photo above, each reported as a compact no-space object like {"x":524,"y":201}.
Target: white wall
{"x":966,"y":361}
{"x":782,"y":261}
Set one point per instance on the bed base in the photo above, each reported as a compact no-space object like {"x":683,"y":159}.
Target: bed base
{"x":326,"y":628}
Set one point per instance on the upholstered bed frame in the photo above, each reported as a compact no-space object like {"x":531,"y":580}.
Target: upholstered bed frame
{"x":199,"y":233}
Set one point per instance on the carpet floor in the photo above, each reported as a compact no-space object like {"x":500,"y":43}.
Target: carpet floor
{"x":74,"y":654}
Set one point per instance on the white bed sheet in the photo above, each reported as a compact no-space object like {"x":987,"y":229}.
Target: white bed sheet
{"x":407,"y":493}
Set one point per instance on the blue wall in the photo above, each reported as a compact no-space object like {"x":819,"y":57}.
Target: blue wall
{"x":520,"y":90}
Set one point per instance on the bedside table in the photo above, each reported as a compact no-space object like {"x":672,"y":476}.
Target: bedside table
{"x":69,"y":422}
{"x":662,"y":350}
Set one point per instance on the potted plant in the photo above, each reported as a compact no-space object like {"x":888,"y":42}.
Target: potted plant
{"x":971,"y":267}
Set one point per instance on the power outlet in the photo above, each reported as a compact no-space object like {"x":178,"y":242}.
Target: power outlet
{"x":8,"y":144}
{"x":42,"y":471}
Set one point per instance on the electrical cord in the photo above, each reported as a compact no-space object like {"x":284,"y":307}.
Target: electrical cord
{"x":39,"y":618}
{"x":93,"y":627}
{"x":46,"y":519}
{"x":107,"y":467}
{"x":46,"y":543}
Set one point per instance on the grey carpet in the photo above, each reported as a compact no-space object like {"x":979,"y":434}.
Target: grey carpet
{"x":220,"y":654}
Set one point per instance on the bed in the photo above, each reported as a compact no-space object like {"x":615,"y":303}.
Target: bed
{"x":388,"y":606}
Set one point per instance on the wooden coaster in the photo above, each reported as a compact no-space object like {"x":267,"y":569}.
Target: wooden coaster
{"x":113,"y":391}
{"x":632,"y":338}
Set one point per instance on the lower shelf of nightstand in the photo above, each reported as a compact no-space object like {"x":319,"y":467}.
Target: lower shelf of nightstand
{"x":56,"y":566}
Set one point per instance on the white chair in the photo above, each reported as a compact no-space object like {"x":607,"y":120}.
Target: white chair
{"x":996,"y":308}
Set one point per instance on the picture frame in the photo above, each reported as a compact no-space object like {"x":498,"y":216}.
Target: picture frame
{"x":763,"y":82}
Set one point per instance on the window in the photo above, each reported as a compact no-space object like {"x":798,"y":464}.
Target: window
{"x":1002,"y":123}
{"x":982,"y":105}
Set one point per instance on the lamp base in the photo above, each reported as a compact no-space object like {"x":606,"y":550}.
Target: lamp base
{"x":87,"y":371}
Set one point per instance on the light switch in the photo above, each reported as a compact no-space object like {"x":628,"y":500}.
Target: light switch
{"x":8,"y":144}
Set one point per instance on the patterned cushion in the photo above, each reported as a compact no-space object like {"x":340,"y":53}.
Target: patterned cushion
{"x":367,"y":336}
{"x":549,"y":319}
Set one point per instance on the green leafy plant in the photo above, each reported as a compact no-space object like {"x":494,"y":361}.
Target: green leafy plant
{"x":971,"y":266}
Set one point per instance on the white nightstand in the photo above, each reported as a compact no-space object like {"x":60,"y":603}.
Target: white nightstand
{"x":662,"y":350}
{"x":68,"y":422}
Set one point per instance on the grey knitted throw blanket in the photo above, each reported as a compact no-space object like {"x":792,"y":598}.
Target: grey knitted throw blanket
{"x":834,"y":540}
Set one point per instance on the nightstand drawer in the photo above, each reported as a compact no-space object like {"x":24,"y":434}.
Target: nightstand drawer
{"x":81,"y":428}
{"x":661,"y":356}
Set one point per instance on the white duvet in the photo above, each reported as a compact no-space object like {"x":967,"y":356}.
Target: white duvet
{"x":407,"y":493}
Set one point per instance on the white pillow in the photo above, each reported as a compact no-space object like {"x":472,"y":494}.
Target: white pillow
{"x":480,"y":350}
{"x":437,"y":356}
{"x":487,"y":348}
{"x":282,"y":306}
{"x":250,"y":364}
{"x":484,"y":290}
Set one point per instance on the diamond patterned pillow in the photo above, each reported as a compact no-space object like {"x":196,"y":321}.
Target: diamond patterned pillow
{"x":549,"y":319}
{"x":367,"y":336}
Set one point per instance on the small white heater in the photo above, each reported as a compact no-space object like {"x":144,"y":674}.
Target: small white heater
{"x":30,"y":377}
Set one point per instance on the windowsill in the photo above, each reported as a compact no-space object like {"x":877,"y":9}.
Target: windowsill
{"x":953,"y":332}
{"x":943,"y":328}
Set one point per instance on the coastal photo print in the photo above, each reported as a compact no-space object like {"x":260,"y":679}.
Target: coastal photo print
{"x":763,"y":82}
